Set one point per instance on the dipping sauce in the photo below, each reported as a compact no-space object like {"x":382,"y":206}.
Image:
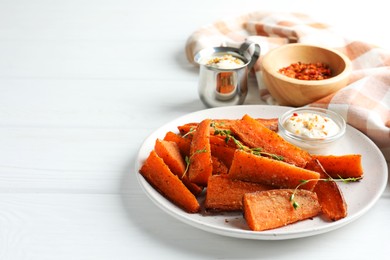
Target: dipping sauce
{"x":226,"y":61}
{"x":307,"y":71}
{"x":311,"y":125}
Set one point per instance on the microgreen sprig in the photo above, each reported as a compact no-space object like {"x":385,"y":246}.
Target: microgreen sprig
{"x":189,"y":158}
{"x":295,"y":204}
{"x":257,"y":150}
{"x":191,"y":131}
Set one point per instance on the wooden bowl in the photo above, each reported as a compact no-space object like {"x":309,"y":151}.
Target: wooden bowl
{"x":296,"y":92}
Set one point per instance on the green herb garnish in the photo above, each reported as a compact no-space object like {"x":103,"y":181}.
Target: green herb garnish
{"x":303,"y":182}
{"x":256,"y":151}
{"x":189,"y":158}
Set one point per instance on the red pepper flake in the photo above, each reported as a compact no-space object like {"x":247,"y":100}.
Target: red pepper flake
{"x":307,"y":71}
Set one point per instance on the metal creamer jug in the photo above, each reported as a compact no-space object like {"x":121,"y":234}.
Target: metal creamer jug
{"x":224,"y":72}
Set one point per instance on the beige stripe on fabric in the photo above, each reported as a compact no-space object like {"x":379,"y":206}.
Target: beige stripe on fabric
{"x":355,"y":49}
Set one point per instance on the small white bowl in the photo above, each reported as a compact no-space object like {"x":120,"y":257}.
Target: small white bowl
{"x":314,"y":145}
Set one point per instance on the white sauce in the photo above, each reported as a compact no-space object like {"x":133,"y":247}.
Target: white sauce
{"x":224,"y":62}
{"x":311,"y":125}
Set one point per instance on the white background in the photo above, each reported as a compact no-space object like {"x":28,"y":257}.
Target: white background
{"x":83,"y":83}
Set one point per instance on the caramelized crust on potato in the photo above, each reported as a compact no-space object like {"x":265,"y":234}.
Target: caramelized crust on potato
{"x":158,"y":174}
{"x":256,"y":135}
{"x":344,"y":166}
{"x":253,"y":168}
{"x":218,"y":167}
{"x":170,"y":153}
{"x":201,"y":165}
{"x":272,"y":209}
{"x":270,"y":123}
{"x":329,"y":195}
{"x":224,"y":194}
{"x":222,"y":150}
{"x":184,"y":144}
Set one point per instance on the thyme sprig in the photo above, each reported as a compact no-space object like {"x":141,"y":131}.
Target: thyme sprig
{"x":296,"y":205}
{"x":257,"y":150}
{"x":191,"y":131}
{"x":189,"y":158}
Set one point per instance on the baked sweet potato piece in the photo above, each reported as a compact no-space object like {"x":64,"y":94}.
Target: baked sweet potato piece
{"x":184,"y":144}
{"x":270,"y":123}
{"x":218,"y":166}
{"x":256,"y":135}
{"x":224,"y":194}
{"x":222,"y":150}
{"x":158,"y":174}
{"x":187,"y":128}
{"x":253,"y":168}
{"x":273,"y":209}
{"x":170,"y":153}
{"x":329,"y":195}
{"x":344,"y":166}
{"x":201,"y":165}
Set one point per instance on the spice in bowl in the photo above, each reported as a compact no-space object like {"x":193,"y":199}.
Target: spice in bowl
{"x":307,"y":71}
{"x":314,"y":60}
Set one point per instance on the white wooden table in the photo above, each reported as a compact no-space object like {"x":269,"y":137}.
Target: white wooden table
{"x":82,"y":84}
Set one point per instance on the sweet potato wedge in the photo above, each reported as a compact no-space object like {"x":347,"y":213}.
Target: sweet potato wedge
{"x":158,"y":174}
{"x":256,"y":135}
{"x":270,"y":123}
{"x":273,"y":209}
{"x":170,"y":153}
{"x":218,"y":166}
{"x":253,"y":168}
{"x":344,"y":166}
{"x":222,"y":150}
{"x":184,"y":144}
{"x":329,"y":195}
{"x":224,"y":194}
{"x":187,"y":128}
{"x":201,"y":165}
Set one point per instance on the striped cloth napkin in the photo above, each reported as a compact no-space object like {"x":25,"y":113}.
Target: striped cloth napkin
{"x":364,"y":103}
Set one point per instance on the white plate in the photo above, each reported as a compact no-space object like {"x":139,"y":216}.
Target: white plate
{"x":360,"y":196}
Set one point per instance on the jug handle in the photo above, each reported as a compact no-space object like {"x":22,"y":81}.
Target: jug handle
{"x":245,"y":47}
